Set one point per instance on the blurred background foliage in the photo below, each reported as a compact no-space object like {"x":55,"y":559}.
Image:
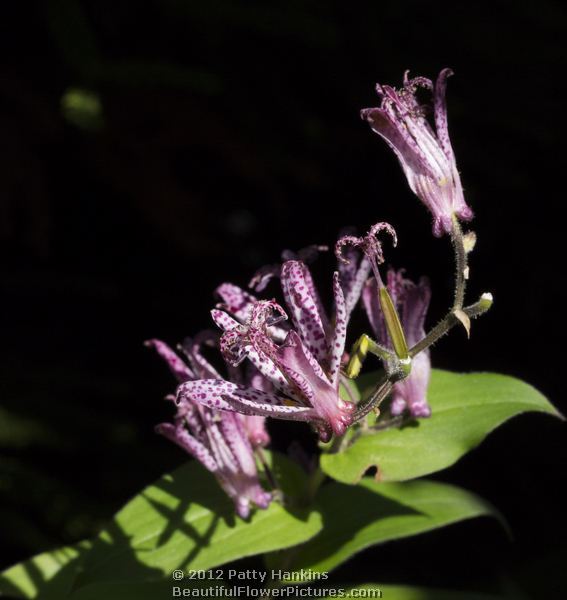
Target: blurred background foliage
{"x":150,"y":151}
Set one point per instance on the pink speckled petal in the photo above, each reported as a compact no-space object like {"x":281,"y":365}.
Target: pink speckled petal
{"x":246,"y":406}
{"x":192,"y":347}
{"x":223,"y":320}
{"x":339,"y":334}
{"x":207,"y":392}
{"x":179,"y":369}
{"x":191,"y":445}
{"x":304,"y":307}
{"x":440,"y":113}
{"x":322,"y":396}
{"x":233,"y":432}
{"x":236,"y":301}
{"x":270,"y":371}
{"x":353,"y":289}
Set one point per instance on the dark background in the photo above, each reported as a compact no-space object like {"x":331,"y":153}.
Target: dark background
{"x":228,"y":131}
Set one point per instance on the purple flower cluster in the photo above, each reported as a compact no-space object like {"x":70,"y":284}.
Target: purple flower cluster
{"x":286,"y":359}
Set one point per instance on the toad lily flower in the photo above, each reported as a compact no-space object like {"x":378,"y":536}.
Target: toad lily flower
{"x":304,"y":370}
{"x":425,"y":154}
{"x":353,"y":269}
{"x":411,"y":301}
{"x":220,"y":441}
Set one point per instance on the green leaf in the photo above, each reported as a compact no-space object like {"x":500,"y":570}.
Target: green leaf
{"x":372,"y":513}
{"x":51,"y":573}
{"x":465,"y":407}
{"x":399,"y":592}
{"x":184,"y":520}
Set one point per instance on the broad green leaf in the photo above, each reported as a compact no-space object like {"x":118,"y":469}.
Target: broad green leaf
{"x":402,"y":592}
{"x":185,"y":520}
{"x":182,"y":521}
{"x":51,"y":573}
{"x":357,"y":517}
{"x":465,"y":407}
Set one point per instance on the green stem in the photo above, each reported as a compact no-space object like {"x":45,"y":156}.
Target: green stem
{"x":383,"y":388}
{"x":444,"y":326}
{"x":460,"y":264}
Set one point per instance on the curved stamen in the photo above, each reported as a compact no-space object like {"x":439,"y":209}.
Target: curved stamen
{"x":369,"y":244}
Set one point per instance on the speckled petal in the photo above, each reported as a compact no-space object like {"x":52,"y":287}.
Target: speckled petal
{"x":304,"y":307}
{"x":236,"y":301}
{"x":179,"y":369}
{"x":234,"y":433}
{"x":323,"y":396}
{"x":270,"y":371}
{"x":223,"y":320}
{"x":207,"y":392}
{"x":192,"y":347}
{"x":440,"y":113}
{"x":339,"y":333}
{"x":247,"y":406}
{"x":354,"y":291}
{"x":191,"y":445}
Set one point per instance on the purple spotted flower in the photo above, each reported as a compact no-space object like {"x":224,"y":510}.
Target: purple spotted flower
{"x":220,"y":440}
{"x":411,"y":301}
{"x":425,"y":153}
{"x":303,"y":368}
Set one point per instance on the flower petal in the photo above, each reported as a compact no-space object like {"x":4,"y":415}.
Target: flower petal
{"x":440,"y":113}
{"x":304,"y":305}
{"x":411,"y":392}
{"x":247,"y":406}
{"x":192,"y":349}
{"x":371,"y":303}
{"x":263,"y":276}
{"x":236,"y":301}
{"x":223,"y":320}
{"x":414,"y":310}
{"x":185,"y":440}
{"x":339,"y":334}
{"x":411,"y":157}
{"x":296,"y":363}
{"x":207,"y":392}
{"x":179,"y":369}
